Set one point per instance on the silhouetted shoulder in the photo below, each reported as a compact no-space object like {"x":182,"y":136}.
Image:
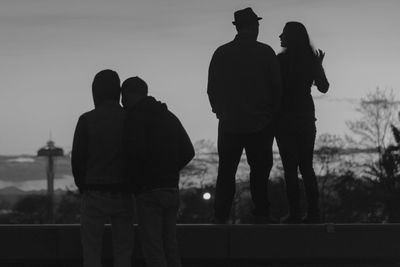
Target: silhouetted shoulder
{"x":266,"y":48}
{"x":224,"y":47}
{"x":112,"y":110}
{"x":264,"y":45}
{"x":280,"y":56}
{"x":85,"y":115}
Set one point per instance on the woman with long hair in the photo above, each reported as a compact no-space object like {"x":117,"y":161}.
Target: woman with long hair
{"x":301,"y":67}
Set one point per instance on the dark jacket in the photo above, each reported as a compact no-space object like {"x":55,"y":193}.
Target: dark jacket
{"x":299,"y":73}
{"x":156,"y":146}
{"x":97,"y":156}
{"x":244,"y":85}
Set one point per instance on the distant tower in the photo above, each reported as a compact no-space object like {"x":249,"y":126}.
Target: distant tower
{"x":50,"y":151}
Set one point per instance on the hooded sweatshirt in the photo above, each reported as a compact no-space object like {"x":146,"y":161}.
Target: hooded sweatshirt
{"x":156,"y":146}
{"x":97,"y":156}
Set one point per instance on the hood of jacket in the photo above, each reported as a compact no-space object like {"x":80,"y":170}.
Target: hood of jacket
{"x":103,"y":95}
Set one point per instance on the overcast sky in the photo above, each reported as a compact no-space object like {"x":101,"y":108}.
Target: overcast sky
{"x":51,"y":50}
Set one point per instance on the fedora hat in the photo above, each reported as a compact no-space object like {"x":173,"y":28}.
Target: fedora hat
{"x":245,"y":16}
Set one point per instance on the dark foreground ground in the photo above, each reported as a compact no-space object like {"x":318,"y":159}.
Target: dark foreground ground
{"x":325,"y":245}
{"x":204,"y":264}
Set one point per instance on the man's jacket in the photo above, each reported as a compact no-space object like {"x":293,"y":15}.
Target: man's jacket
{"x":156,"y":146}
{"x":244,"y":85}
{"x":97,"y":155}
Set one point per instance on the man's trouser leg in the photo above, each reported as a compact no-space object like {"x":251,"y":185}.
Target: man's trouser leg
{"x":230,"y":150}
{"x":258,"y":148}
{"x":92,"y":228}
{"x":150,"y":218}
{"x":122,"y":230}
{"x":170,"y":198}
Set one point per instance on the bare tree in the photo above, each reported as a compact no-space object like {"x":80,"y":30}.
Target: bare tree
{"x":201,"y":171}
{"x":328,"y":152}
{"x":378,"y":110}
{"x":375,"y":128}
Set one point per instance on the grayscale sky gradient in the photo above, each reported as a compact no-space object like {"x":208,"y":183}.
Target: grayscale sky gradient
{"x":51,"y":50}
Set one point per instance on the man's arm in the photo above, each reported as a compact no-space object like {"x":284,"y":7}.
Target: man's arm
{"x":135,"y":152}
{"x":186,"y":149}
{"x":275,"y":82}
{"x":213,"y":86}
{"x":79,"y":153}
{"x":135,"y":143}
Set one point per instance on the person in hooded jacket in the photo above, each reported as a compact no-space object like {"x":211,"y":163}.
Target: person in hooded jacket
{"x":156,"y":147}
{"x":97,"y":167}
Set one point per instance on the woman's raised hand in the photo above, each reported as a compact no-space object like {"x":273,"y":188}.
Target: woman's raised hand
{"x":320,"y":56}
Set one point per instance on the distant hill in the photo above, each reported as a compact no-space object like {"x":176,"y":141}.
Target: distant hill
{"x":26,"y":167}
{"x":12,"y":190}
{"x":15,"y":170}
{"x":12,"y":194}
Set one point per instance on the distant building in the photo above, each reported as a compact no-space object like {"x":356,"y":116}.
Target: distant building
{"x":50,"y":151}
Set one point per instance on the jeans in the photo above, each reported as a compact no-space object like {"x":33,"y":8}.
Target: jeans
{"x":258,"y":147}
{"x":296,"y":137}
{"x":157,"y":210}
{"x":96,"y":209}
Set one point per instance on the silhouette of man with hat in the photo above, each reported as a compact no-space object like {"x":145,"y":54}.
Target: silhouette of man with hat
{"x":244,"y":90}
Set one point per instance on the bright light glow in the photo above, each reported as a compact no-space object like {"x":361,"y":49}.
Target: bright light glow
{"x":206,"y":196}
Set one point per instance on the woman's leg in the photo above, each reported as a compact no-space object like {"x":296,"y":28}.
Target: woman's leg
{"x":306,"y":153}
{"x":286,"y":140}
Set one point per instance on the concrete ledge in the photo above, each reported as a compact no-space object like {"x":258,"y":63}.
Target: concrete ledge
{"x":318,"y":243}
{"x":262,"y":243}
